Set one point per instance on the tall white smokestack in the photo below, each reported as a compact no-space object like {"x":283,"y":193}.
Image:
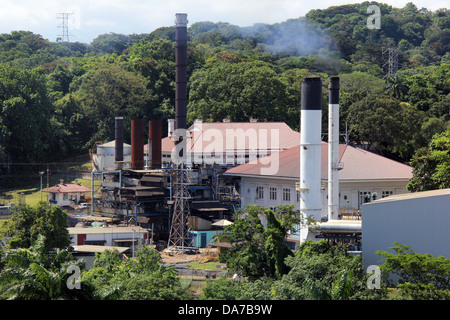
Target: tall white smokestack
{"x":310,"y":148}
{"x":333,"y":149}
{"x":170,"y":127}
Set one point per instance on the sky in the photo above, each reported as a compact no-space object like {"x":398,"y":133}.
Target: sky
{"x":91,"y":18}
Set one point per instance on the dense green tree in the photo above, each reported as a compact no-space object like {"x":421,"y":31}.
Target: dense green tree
{"x":238,"y":91}
{"x":108,"y":92}
{"x":70,"y":125}
{"x":25,"y":131}
{"x":259,"y":251}
{"x":418,"y":276}
{"x":35,"y":273}
{"x":141,"y":279}
{"x":317,"y":272}
{"x":421,"y":92}
{"x":29,"y":223}
{"x":221,"y":289}
{"x":110,"y":43}
{"x":431,"y":165}
{"x":385,"y":123}
{"x":320,"y":272}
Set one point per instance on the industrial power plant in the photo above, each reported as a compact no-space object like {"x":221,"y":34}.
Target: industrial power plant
{"x":185,"y":187}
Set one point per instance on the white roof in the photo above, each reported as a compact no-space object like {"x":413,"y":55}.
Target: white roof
{"x":93,"y":248}
{"x":414,"y":195}
{"x":107,"y":230}
{"x":112,"y":144}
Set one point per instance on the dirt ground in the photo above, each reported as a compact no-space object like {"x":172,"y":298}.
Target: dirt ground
{"x":175,"y":257}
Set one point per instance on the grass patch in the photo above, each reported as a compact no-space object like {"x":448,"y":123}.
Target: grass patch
{"x":210,"y":265}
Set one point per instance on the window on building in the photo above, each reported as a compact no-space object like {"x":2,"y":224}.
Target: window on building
{"x":385,"y":194}
{"x":365,"y":196}
{"x":298,"y":196}
{"x":259,"y":192}
{"x":273,"y":193}
{"x":286,"y":194}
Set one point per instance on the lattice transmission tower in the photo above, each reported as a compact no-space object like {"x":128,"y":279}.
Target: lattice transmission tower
{"x":391,"y":64}
{"x":64,"y":36}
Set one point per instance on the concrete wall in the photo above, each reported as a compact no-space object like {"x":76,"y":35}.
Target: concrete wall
{"x":419,"y":220}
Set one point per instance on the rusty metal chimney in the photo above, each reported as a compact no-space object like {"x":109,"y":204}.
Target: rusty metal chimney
{"x":137,"y":144}
{"x":118,"y":139}
{"x":154,"y":146}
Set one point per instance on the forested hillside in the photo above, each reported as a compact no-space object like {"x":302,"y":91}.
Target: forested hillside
{"x":59,"y":99}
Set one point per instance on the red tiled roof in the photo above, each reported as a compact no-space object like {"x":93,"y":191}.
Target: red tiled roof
{"x":67,"y":188}
{"x":204,"y":134}
{"x":357,"y":164}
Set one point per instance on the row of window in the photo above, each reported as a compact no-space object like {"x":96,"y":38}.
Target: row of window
{"x":364,"y":196}
{"x":368,"y":196}
{"x":273,"y":193}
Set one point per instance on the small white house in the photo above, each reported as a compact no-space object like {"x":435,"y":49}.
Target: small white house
{"x":67,"y":194}
{"x":108,"y":236}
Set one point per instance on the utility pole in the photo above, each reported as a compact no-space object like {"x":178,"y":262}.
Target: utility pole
{"x":48,"y":180}
{"x":41,"y":173}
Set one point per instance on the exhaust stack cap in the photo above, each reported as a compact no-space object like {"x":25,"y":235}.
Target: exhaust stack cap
{"x":333,"y":87}
{"x":334,"y":83}
{"x":311,"y":94}
{"x":181,"y":20}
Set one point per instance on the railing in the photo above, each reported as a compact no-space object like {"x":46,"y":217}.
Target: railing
{"x":350,"y":214}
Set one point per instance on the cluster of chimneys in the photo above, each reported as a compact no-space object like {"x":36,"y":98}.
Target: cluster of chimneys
{"x":137,"y":143}
{"x":311,"y":130}
{"x":310,"y":148}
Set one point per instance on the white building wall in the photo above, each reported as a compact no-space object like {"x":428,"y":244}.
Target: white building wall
{"x":349,"y":195}
{"x":109,"y":237}
{"x":65,"y":199}
{"x":422,"y":223}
